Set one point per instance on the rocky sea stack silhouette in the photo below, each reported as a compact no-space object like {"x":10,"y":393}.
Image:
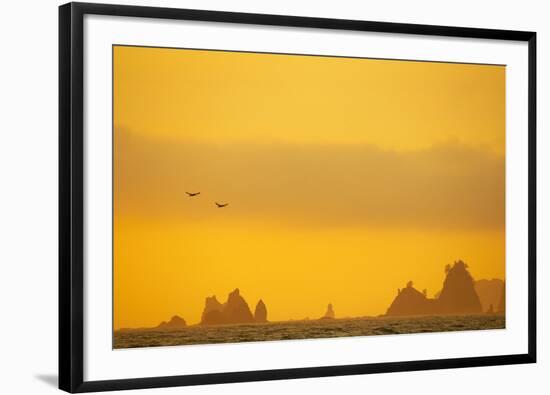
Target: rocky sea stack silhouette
{"x":329,"y":315}
{"x":234,"y":311}
{"x":502,"y":302}
{"x":458,"y":296}
{"x":490,"y":293}
{"x":176,"y":322}
{"x":409,"y":301}
{"x":260,"y":313}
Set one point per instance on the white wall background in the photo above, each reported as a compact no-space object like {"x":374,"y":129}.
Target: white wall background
{"x":28,"y":198}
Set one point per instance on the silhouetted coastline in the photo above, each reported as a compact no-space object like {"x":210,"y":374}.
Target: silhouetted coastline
{"x":462,"y":304}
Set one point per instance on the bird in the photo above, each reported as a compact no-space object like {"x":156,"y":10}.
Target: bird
{"x":221,"y":205}
{"x":191,"y":194}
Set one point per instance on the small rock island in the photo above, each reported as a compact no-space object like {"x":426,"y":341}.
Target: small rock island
{"x":329,"y":315}
{"x":458,"y":296}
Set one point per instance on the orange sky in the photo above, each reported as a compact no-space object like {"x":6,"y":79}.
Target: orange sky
{"x":345,"y":179}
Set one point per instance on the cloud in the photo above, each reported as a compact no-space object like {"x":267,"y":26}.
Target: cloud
{"x":449,"y":186}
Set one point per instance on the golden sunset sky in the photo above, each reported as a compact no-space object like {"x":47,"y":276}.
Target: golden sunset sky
{"x":345,"y":179}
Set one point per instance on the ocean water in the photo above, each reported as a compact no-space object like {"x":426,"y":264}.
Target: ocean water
{"x":307,"y":329}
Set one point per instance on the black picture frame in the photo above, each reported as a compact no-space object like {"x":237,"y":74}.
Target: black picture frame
{"x":71,"y":196}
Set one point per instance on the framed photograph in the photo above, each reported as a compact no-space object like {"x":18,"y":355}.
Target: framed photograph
{"x":251,"y":197}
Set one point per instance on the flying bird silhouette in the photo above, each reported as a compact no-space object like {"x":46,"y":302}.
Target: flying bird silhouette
{"x":221,"y":205}
{"x":191,"y":194}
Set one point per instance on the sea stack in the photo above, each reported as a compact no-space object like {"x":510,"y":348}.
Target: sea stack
{"x":234,"y":311}
{"x":410,"y":301}
{"x":260,"y":313}
{"x":176,"y":322}
{"x":329,"y":315}
{"x":502,"y":302}
{"x":212,"y":312}
{"x":458,"y":295}
{"x":489,"y":292}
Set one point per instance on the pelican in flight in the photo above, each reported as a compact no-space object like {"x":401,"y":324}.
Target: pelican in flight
{"x":220,"y":205}
{"x":191,"y":194}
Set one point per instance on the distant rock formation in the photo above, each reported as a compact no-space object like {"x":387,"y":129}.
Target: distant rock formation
{"x":502,"y":302}
{"x":329,"y":315}
{"x":409,"y":301}
{"x":212,"y":312}
{"x":234,"y":311}
{"x":212,"y":304}
{"x":260,"y":313}
{"x":458,"y":296}
{"x":489,"y":292}
{"x":176,"y":322}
